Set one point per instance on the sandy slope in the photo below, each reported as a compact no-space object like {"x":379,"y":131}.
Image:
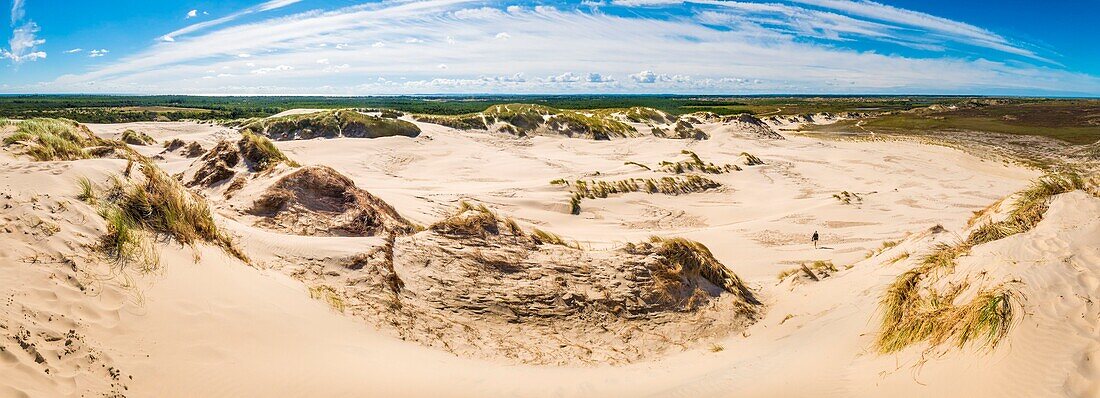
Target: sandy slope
{"x":216,"y":327}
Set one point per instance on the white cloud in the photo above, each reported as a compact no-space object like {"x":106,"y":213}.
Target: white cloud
{"x":336,"y":68}
{"x":413,"y":40}
{"x":23,"y":45}
{"x":192,"y":14}
{"x":378,"y":44}
{"x":16,"y":11}
{"x":323,"y":61}
{"x":264,"y":71}
{"x":98,"y":53}
{"x":74,"y":51}
{"x":567,"y":77}
{"x":598,"y":78}
{"x":267,"y":6}
{"x":679,"y":55}
{"x":244,"y":55}
{"x":645,"y":77}
{"x":503,"y":36}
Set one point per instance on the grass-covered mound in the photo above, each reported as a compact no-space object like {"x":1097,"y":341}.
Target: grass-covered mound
{"x":917,"y":309}
{"x":54,"y":139}
{"x":153,"y":204}
{"x":330,"y":124}
{"x":531,"y":119}
{"x":136,"y":138}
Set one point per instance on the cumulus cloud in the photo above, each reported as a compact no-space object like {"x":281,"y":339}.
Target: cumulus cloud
{"x":598,"y":78}
{"x":567,"y":77}
{"x":192,"y":14}
{"x":503,"y":36}
{"x":98,"y":53}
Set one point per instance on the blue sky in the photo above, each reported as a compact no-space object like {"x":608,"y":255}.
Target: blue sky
{"x":348,"y":47}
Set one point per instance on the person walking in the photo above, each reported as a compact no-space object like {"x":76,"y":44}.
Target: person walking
{"x":814,"y":238}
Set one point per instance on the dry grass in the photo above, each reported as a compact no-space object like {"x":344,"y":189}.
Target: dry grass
{"x":913,"y":311}
{"x":173,"y":144}
{"x":53,"y":139}
{"x":900,"y":257}
{"x":695,"y":163}
{"x":261,"y":152}
{"x":848,"y":198}
{"x":598,"y":189}
{"x":158,"y":205}
{"x":136,"y":138}
{"x":694,"y":257}
{"x":329,"y":296}
{"x":820,"y":269}
{"x":751,"y":160}
{"x":469,"y":220}
{"x":1028,"y":209}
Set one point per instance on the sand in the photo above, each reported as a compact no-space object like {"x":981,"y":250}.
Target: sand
{"x":206,"y":324}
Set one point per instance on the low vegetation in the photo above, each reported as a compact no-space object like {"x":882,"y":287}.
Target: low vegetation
{"x":682,"y":257}
{"x":157,"y":204}
{"x":598,"y":189}
{"x":695,"y":163}
{"x":848,"y":198}
{"x":914,"y":311}
{"x":261,"y":152}
{"x":136,"y":138}
{"x":53,"y":139}
{"x":529,"y":119}
{"x":329,"y":124}
{"x":817,"y":270}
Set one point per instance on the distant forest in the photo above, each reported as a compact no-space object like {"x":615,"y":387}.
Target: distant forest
{"x":119,"y":109}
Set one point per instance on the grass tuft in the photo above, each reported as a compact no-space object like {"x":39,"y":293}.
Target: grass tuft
{"x":87,"y":192}
{"x":53,"y":139}
{"x":161,"y":205}
{"x":691,"y":256}
{"x":914,"y":311}
{"x":261,"y":152}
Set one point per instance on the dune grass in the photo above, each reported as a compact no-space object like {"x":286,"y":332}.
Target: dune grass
{"x":751,"y":160}
{"x":599,"y":189}
{"x":685,"y":255}
{"x":695,"y":163}
{"x":158,"y":205}
{"x":87,"y":192}
{"x":136,"y":138}
{"x":261,"y":152}
{"x":53,"y":139}
{"x":915,"y":312}
{"x":329,"y":296}
{"x":469,"y":220}
{"x":820,"y":269}
{"x":1028,"y":208}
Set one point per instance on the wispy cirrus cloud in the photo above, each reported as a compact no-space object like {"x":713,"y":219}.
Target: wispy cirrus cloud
{"x":267,"y":6}
{"x":461,"y":46}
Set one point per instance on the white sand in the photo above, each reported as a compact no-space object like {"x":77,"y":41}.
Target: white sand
{"x":216,"y":327}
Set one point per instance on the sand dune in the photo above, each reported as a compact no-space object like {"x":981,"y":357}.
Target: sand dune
{"x":302,"y":320}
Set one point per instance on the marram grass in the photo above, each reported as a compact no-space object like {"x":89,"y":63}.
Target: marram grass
{"x":914,"y":311}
